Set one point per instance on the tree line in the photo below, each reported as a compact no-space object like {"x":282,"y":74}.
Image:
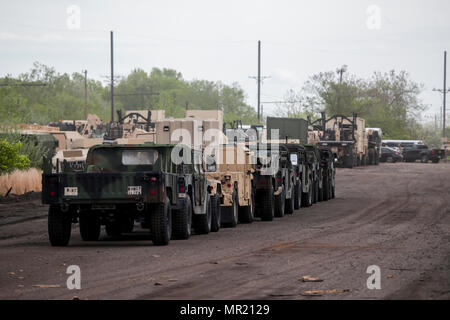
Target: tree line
{"x":61,"y":96}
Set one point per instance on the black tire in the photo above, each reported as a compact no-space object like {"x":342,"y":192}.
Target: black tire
{"x":161,"y":224}
{"x":89,"y":226}
{"x":350,"y":162}
{"x":247,"y":213}
{"x":182,"y":220}
{"x":202,"y":222}
{"x":268,"y":202}
{"x":289,"y":204}
{"x":326,"y":189}
{"x":307,"y":197}
{"x":215,"y":213}
{"x":59,"y":226}
{"x":297,"y":197}
{"x":320,"y":192}
{"x":333,"y":195}
{"x":280,"y":203}
{"x":316,"y":192}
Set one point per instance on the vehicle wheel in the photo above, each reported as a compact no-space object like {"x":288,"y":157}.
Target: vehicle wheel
{"x":215,"y":213}
{"x":316,"y":192}
{"x":307,"y":197}
{"x":333,"y":195}
{"x":279,"y":203}
{"x":424,"y":159}
{"x":59,"y":226}
{"x":182,"y":220}
{"x":326,"y":189}
{"x":268,"y":201}
{"x":247,"y":213}
{"x":289,"y":204}
{"x":89,"y":226}
{"x":320,"y":195}
{"x":161,"y":224}
{"x":202,"y":222}
{"x":297,"y":196}
{"x":349,"y":162}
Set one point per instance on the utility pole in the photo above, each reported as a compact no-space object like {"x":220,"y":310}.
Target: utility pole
{"x":259,"y":80}
{"x":85,"y":94}
{"x":445,"y":94}
{"x":341,"y":73}
{"x":112,"y":78}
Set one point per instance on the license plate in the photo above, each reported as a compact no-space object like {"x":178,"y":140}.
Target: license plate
{"x":71,"y":191}
{"x":134,"y":190}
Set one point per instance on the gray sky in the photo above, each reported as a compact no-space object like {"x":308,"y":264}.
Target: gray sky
{"x":217,"y":40}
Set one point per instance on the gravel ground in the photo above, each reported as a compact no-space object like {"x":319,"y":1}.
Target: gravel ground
{"x":395,"y":216}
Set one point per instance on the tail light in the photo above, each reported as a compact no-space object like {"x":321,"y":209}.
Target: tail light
{"x":262,"y":181}
{"x":279,"y":180}
{"x":152,"y":192}
{"x":433,"y":152}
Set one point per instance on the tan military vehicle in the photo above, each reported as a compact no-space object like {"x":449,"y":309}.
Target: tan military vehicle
{"x":234,"y":169}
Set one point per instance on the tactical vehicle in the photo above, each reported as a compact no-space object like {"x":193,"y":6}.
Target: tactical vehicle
{"x":374,"y":136}
{"x":268,"y":181}
{"x":345,"y":136}
{"x":303,"y":176}
{"x":328,"y":173}
{"x":313,"y":161}
{"x":234,"y":169}
{"x":293,"y":134}
{"x":124,"y":183}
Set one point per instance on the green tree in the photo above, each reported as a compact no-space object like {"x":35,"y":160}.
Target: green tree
{"x":10,"y":157}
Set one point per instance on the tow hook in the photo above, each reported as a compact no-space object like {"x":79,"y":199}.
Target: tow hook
{"x":64,"y":207}
{"x":140,"y":206}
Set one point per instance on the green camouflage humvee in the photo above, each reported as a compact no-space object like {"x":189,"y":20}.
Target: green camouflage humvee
{"x":124,"y":183}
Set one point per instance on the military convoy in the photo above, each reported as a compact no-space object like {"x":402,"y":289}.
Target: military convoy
{"x":178,"y":181}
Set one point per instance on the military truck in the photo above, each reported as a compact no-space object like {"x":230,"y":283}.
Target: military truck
{"x":345,"y":136}
{"x":293,"y":135}
{"x":328,"y":173}
{"x":313,"y":160}
{"x":303,"y":176}
{"x":268,"y":183}
{"x":374,"y":138}
{"x":124,"y":183}
{"x":234,"y":168}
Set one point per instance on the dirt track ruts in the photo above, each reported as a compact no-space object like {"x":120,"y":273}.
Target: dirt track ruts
{"x":395,"y":216}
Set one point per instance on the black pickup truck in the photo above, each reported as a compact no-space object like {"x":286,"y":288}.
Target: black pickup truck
{"x":423,"y":153}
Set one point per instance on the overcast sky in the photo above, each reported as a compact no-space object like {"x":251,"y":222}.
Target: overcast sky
{"x":217,"y":40}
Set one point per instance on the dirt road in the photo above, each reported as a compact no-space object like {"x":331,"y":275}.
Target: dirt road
{"x":395,"y":216}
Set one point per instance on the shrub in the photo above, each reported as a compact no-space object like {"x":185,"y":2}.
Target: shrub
{"x":10,"y":157}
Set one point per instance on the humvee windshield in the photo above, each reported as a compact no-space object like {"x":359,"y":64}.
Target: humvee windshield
{"x":294,"y":159}
{"x":124,"y":160}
